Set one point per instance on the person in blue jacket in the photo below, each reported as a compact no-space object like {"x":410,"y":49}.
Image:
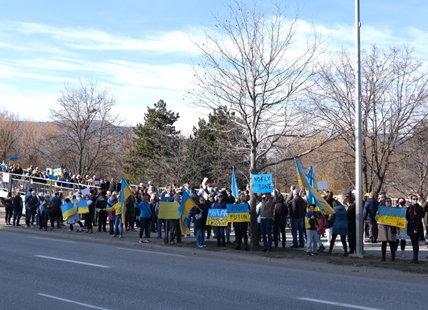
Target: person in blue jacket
{"x":144,"y":217}
{"x":369,"y":216}
{"x":340,"y":226}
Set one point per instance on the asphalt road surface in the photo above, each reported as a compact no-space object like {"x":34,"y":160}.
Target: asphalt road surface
{"x":39,"y":272}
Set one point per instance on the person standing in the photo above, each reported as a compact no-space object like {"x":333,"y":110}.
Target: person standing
{"x":201,"y":213}
{"x":17,"y":208}
{"x":369,"y":215}
{"x":241,"y":228}
{"x":219,"y":230}
{"x":352,"y":227}
{"x":8,"y":204}
{"x":279,"y":221}
{"x":414,"y":215}
{"x":311,"y":225}
{"x":402,"y":237}
{"x":101,"y":205}
{"x":340,"y":226}
{"x":266,"y":219}
{"x":387,"y":233}
{"x":297,"y":214}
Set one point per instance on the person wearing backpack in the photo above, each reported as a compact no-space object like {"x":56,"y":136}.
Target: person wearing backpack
{"x":280,"y":213}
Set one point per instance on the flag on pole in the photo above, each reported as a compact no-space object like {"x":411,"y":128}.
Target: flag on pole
{"x":187,"y":203}
{"x":125,"y":192}
{"x":311,"y":180}
{"x":319,"y":200}
{"x":68,"y":210}
{"x":234,"y":185}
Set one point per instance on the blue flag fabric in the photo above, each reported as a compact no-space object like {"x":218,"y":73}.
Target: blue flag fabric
{"x":304,"y":183}
{"x":311,"y":179}
{"x":234,"y":185}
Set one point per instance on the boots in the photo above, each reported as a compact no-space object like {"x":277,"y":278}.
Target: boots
{"x":383,"y":257}
{"x":393,"y":257}
{"x":90,"y":231}
{"x":331,"y":247}
{"x":414,"y":260}
{"x":87,"y":230}
{"x":345,"y":248}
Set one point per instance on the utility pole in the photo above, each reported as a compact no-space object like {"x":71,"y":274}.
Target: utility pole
{"x":358,"y":138}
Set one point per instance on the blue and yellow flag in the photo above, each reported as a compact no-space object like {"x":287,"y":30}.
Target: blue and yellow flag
{"x":311,"y":180}
{"x":234,"y":185}
{"x":304,"y":183}
{"x":187,"y":203}
{"x":83,"y":206}
{"x":68,"y":210}
{"x":125,"y":192}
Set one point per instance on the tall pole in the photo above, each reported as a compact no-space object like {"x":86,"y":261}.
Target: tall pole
{"x":358,"y":137}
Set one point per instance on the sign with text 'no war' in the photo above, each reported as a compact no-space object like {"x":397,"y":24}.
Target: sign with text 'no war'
{"x":217,"y":217}
{"x":262,"y":183}
{"x":238,"y":213}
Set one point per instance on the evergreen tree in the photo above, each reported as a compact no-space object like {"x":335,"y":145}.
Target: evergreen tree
{"x":154,"y":143}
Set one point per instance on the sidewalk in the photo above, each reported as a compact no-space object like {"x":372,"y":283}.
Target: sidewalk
{"x":131,"y":238}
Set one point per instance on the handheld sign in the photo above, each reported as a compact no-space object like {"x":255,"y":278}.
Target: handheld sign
{"x":168,"y":210}
{"x":262,"y":183}
{"x":217,"y":217}
{"x":237,"y":213}
{"x":392,"y":216}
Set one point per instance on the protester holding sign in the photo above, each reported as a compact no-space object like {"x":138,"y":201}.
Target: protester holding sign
{"x":219,"y":230}
{"x":242,"y":227}
{"x":387,"y":233}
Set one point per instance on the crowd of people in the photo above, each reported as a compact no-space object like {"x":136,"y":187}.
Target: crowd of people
{"x":274,"y":212}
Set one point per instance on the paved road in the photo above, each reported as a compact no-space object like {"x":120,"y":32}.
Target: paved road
{"x":46,"y":272}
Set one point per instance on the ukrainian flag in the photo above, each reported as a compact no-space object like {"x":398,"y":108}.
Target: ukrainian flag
{"x":187,"y":203}
{"x":304,"y":183}
{"x":125,"y":192}
{"x":68,"y":210}
{"x":83,"y":206}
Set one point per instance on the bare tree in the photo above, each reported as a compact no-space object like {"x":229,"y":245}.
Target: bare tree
{"x":255,"y":69}
{"x":10,"y":132}
{"x":394,"y":95}
{"x":86,"y":128}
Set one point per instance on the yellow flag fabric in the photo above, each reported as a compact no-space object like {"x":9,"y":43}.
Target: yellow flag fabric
{"x":186,"y":205}
{"x":319,"y":200}
{"x":125,"y":192}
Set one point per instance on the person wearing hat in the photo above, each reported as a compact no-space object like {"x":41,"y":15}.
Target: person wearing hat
{"x":219,"y":230}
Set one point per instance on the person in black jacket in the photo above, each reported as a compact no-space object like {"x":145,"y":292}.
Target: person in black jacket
{"x":201,"y":213}
{"x":297,"y":214}
{"x":241,"y":228}
{"x":8,"y":204}
{"x":352,"y":227}
{"x":414,"y":216}
{"x":279,"y":221}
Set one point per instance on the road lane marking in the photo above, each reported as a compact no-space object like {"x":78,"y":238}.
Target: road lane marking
{"x":51,"y":239}
{"x":337,"y":304}
{"x":71,"y":301}
{"x":72,"y":261}
{"x":151,"y":252}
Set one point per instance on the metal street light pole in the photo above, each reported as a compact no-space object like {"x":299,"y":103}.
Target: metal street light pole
{"x":358,"y":137}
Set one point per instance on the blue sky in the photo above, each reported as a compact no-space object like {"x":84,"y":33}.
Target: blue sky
{"x":141,"y":50}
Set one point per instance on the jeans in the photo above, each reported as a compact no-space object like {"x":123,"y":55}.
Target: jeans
{"x":28,"y":214}
{"x":372,"y":230}
{"x":312,"y":240}
{"x":160,"y":222}
{"x":16,"y":216}
{"x":297,"y":224}
{"x":117,"y":222}
{"x":200,"y":236}
{"x":266,"y":228}
{"x":219,"y":231}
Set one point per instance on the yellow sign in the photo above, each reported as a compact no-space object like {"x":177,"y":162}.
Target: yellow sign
{"x":216,"y":221}
{"x":238,"y":217}
{"x":392,"y":221}
{"x":168,"y":210}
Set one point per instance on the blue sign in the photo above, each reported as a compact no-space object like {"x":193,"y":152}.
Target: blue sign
{"x":217,"y":213}
{"x":262,"y":183}
{"x":237,"y":208}
{"x":167,"y":199}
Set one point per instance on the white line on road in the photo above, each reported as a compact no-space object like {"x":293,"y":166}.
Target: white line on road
{"x":71,"y":301}
{"x":51,"y":239}
{"x":151,"y":252}
{"x":337,"y":304}
{"x":71,"y":261}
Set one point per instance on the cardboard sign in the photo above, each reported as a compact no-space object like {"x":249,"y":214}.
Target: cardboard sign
{"x":262,"y":183}
{"x":168,"y":210}
{"x":57,"y":171}
{"x":13,"y":160}
{"x":217,"y":217}
{"x":238,"y":213}
{"x":392,"y":216}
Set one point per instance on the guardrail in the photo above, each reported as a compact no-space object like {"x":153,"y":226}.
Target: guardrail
{"x":9,"y":182}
